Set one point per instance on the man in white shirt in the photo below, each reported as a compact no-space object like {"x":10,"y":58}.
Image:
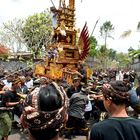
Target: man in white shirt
{"x":29,"y":82}
{"x":8,"y":82}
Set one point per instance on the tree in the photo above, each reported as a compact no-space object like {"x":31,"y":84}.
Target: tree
{"x":112,"y":54}
{"x":106,"y":31}
{"x":134,"y":53}
{"x":93,"y":45}
{"x":129,"y":32}
{"x":106,"y":56}
{"x":102,"y":56}
{"x":123,"y":60}
{"x":126,"y":34}
{"x":11,"y":34}
{"x":37,"y":32}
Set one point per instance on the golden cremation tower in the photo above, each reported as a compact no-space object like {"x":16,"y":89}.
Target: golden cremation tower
{"x":66,"y":49}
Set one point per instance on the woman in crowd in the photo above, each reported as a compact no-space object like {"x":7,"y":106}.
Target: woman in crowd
{"x":119,"y":126}
{"x":45,"y":112}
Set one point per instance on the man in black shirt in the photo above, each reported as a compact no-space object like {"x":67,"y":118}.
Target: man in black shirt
{"x":76,"y":121}
{"x":74,"y":88}
{"x":82,"y":72}
{"x":119,"y":126}
{"x":21,"y":87}
{"x":9,"y":100}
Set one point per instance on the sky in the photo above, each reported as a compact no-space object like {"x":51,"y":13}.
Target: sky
{"x":123,"y":14}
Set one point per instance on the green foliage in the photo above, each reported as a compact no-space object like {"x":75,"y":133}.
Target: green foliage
{"x":123,"y":59}
{"x":112,"y":54}
{"x":102,"y":56}
{"x":30,"y":63}
{"x":134,"y":53}
{"x":37,"y":31}
{"x":106,"y":29}
{"x":107,"y":57}
{"x":103,"y":50}
{"x":93,"y":45}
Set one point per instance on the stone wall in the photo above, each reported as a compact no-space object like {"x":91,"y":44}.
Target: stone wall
{"x":15,"y":64}
{"x":12,"y":65}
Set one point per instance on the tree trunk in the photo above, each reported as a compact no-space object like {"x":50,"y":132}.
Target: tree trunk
{"x":105,"y":40}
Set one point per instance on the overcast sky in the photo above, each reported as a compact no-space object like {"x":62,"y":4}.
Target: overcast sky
{"x":123,"y":14}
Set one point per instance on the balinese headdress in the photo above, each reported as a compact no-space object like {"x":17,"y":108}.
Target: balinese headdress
{"x":36,"y":119}
{"x":116,"y":94}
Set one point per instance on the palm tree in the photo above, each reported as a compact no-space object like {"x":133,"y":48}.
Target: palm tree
{"x":129,"y":32}
{"x":126,"y":34}
{"x":106,"y":30}
{"x":132,"y":53}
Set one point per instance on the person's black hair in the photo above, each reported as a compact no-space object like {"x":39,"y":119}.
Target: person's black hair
{"x":49,"y":100}
{"x":120,"y":86}
{"x":44,"y":134}
{"x":122,"y":95}
{"x":118,"y":92}
{"x":75,"y":80}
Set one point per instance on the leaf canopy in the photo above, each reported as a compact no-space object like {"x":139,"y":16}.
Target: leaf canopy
{"x":37,"y":31}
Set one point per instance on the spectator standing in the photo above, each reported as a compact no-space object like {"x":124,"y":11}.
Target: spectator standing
{"x":119,"y":126}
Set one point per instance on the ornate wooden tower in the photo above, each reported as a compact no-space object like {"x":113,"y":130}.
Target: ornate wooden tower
{"x":65,"y":48}
{"x":64,"y":36}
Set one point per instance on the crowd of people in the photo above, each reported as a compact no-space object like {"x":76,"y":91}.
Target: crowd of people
{"x":49,"y":109}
